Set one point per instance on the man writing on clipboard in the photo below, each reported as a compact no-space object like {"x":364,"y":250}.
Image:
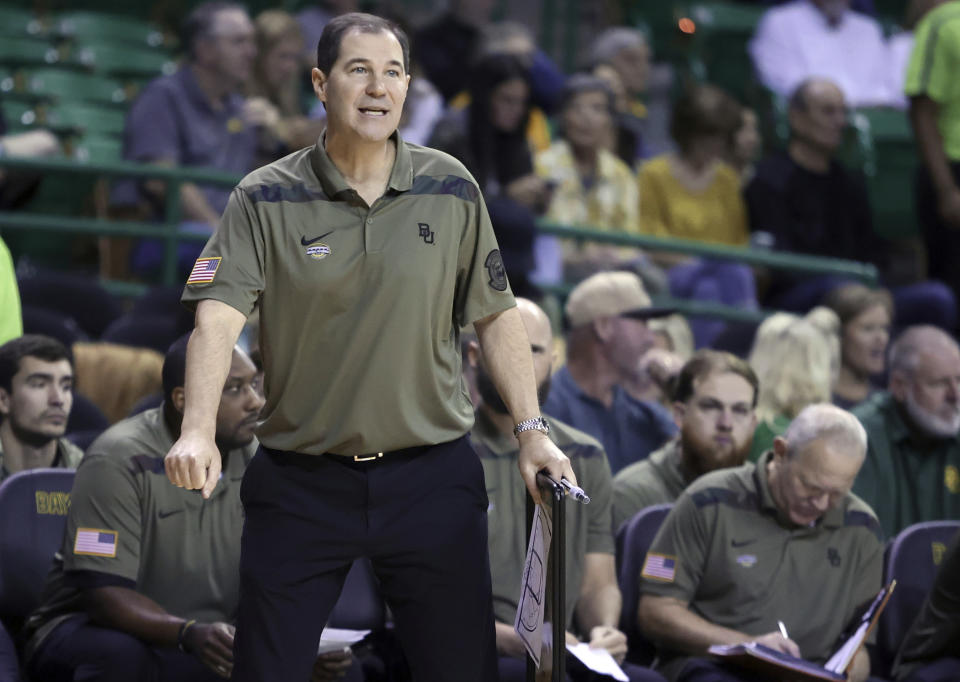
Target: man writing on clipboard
{"x":783,"y":539}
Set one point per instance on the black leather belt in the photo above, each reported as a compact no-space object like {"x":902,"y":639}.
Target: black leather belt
{"x":353,"y":461}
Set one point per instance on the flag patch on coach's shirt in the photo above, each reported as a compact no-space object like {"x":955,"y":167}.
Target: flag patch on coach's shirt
{"x":204,"y":270}
{"x":659,"y":567}
{"x":95,"y":542}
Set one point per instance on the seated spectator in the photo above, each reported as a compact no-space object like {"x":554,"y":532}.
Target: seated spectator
{"x":672,"y":333}
{"x":806,"y":38}
{"x":193,"y":118}
{"x":116,"y":377}
{"x":865,"y":318}
{"x":713,"y":407}
{"x":273,"y":90}
{"x":929,"y":653}
{"x":607,"y":314}
{"x":593,"y":598}
{"x":912,"y":472}
{"x":695,"y":194}
{"x":782,"y":539}
{"x":489,"y":138}
{"x":17,"y":186}
{"x":591,"y":187}
{"x":149,"y":598}
{"x":796,"y":360}
{"x":36,"y":393}
{"x":449,"y":42}
{"x":11,"y":319}
{"x":621,"y":57}
{"x":809,"y":202}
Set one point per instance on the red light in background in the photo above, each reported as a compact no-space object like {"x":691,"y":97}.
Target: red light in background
{"x":686,"y":25}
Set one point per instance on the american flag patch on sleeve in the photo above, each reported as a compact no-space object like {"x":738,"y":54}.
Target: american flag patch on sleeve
{"x":95,"y":542}
{"x":204,"y":270}
{"x":659,"y":567}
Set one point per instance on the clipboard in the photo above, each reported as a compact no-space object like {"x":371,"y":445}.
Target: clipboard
{"x":763,"y":659}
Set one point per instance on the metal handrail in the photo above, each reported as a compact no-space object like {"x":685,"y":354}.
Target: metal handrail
{"x":170,"y":231}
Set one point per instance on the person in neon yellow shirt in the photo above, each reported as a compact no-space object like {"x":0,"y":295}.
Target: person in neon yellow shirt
{"x":11,"y":322}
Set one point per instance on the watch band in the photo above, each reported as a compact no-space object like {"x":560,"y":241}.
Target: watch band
{"x":533,"y":424}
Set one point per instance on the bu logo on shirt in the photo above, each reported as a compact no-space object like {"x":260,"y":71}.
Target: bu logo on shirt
{"x":833,"y":556}
{"x":425,"y":233}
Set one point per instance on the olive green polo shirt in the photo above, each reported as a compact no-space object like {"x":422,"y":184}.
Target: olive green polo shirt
{"x":130,"y":525}
{"x":360,"y":306}
{"x":739,"y":562}
{"x":906,"y":478}
{"x":932,"y":70}
{"x":588,"y":526}
{"x":68,"y":457}
{"x":658,"y":479}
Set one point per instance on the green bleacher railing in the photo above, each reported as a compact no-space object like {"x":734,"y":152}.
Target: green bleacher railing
{"x":169,"y":230}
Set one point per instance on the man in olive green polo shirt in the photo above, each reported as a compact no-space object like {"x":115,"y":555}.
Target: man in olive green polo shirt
{"x":783,"y":539}
{"x":365,"y":255}
{"x":147,"y":567}
{"x":593,"y":597}
{"x":713,"y":406}
{"x":36,"y":394}
{"x":912,"y":470}
{"x":931,"y":85}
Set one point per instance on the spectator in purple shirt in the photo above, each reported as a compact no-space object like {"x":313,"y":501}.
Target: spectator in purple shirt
{"x":194,"y":117}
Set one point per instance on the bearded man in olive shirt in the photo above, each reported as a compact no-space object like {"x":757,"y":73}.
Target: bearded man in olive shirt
{"x":366,"y":255}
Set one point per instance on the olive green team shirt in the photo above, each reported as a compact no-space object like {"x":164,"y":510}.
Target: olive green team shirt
{"x":906,"y":479}
{"x":360,"y":307}
{"x":727,"y":551}
{"x":131,"y":527}
{"x":588,"y":526}
{"x":932,"y":70}
{"x":68,"y":457}
{"x":657,"y":479}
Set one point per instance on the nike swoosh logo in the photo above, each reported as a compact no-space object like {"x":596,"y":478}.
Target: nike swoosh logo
{"x":165,"y":514}
{"x":742,"y":543}
{"x":308,"y":242}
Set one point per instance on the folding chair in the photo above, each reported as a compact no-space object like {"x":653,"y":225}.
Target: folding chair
{"x":912,"y":559}
{"x":633,"y":540}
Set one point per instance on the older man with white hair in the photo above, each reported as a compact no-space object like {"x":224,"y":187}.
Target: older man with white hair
{"x":912,"y":471}
{"x":780,"y":540}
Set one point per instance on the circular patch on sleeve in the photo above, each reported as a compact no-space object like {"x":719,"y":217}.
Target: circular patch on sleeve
{"x":496,"y":271}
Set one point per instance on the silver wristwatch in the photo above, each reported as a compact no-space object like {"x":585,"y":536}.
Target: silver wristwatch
{"x":535,"y":424}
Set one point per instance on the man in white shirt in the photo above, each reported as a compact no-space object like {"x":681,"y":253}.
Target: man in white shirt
{"x":807,"y":38}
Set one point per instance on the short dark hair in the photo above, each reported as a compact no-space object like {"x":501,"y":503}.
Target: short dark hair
{"x":174,"y":372}
{"x":580,"y":83}
{"x":704,"y":110}
{"x":199,"y":23}
{"x":705,"y":362}
{"x":328,"y":47}
{"x":29,"y":345}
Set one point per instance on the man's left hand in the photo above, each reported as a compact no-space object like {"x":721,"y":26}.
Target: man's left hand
{"x":611,"y":639}
{"x":538,"y":452}
{"x":332,"y":665}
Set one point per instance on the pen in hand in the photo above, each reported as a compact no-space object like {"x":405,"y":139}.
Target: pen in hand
{"x":783,"y":629}
{"x":576,"y":492}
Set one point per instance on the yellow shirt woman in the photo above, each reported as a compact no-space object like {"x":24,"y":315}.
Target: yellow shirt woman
{"x":709,"y":208}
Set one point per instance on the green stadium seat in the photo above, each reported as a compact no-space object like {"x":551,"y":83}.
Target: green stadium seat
{"x":65,"y":85}
{"x":78,"y":118}
{"x":17,"y":21}
{"x":98,"y":149}
{"x":29,"y":52}
{"x":721,"y":31}
{"x":125,"y":61}
{"x":891,"y":173}
{"x":18,"y":116}
{"x":94,"y":27}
